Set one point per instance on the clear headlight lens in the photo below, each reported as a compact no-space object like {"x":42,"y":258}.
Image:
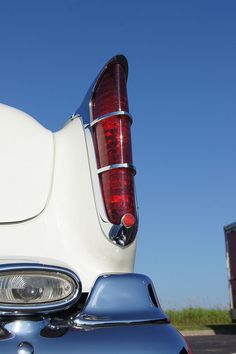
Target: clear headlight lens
{"x":30,"y":288}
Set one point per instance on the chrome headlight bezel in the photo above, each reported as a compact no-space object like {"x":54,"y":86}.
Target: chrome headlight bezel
{"x":43,"y":308}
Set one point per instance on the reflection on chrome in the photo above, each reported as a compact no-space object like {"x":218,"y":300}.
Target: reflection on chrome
{"x":141,"y":338}
{"x":120,"y":316}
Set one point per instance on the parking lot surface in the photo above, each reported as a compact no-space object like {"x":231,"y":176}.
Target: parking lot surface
{"x":218,"y":344}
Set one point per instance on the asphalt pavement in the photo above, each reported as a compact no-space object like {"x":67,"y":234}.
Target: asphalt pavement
{"x":216,"y":344}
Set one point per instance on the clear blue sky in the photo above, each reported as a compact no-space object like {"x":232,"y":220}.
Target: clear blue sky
{"x":182,"y":92}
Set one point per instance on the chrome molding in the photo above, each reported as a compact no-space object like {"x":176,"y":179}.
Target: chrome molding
{"x":117,"y":165}
{"x":71,"y":118}
{"x":40,"y":308}
{"x":112,"y":114}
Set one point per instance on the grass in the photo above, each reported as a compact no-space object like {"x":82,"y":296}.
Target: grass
{"x":199,"y":318}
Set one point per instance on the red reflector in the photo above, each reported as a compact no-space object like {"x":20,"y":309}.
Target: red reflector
{"x":128,"y":220}
{"x":113,"y":143}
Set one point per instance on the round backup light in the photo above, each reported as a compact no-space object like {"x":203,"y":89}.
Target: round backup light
{"x":37,"y":288}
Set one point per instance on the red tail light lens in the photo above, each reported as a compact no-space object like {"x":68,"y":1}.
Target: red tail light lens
{"x":118,"y":193}
{"x":111,"y":93}
{"x":113,"y":141}
{"x":111,"y":127}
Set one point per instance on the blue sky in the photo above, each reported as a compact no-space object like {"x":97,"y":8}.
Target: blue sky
{"x":182,"y":94}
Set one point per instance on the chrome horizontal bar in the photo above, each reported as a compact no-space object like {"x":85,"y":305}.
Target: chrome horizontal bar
{"x":117,"y":165}
{"x":111,"y":114}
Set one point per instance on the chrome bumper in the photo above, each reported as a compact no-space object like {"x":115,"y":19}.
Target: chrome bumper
{"x":37,"y":336}
{"x":121,"y":315}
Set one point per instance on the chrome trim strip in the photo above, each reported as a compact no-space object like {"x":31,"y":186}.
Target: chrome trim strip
{"x":111,"y":114}
{"x":45,"y":307}
{"x":117,"y":165}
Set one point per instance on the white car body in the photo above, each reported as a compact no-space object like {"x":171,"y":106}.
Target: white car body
{"x":50,"y":204}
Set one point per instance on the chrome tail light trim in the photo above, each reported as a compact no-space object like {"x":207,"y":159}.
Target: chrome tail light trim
{"x":118,"y":165}
{"x":112,"y":114}
{"x":117,"y":234}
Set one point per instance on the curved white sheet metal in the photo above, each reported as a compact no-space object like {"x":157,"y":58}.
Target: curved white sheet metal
{"x":26,"y":165}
